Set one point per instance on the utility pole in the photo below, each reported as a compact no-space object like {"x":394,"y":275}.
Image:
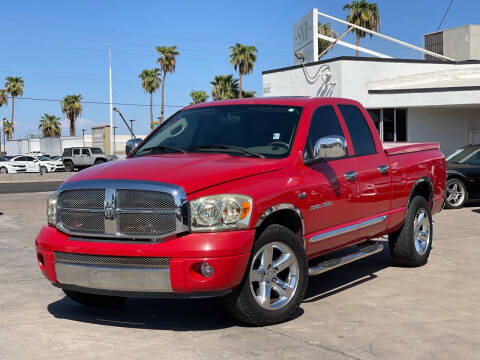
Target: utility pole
{"x":131,"y":126}
{"x":111,"y":110}
{"x":4,"y":136}
{"x":83,"y":136}
{"x":114,"y":142}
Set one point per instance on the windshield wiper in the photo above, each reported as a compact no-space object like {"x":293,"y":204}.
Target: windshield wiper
{"x":159,"y":149}
{"x":226,"y":147}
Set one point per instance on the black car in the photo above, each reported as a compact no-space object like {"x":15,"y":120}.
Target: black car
{"x":463,"y":176}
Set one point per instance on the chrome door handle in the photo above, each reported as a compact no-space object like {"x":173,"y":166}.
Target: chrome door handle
{"x":383,"y":169}
{"x":351,"y":176}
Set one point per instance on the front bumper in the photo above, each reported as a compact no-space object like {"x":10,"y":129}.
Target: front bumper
{"x":227,"y":252}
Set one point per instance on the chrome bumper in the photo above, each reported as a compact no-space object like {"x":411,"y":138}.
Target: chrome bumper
{"x":140,"y":279}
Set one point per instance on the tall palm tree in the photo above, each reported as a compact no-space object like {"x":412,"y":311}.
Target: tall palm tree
{"x":72,"y":107}
{"x":14,"y":86}
{"x":50,"y":125}
{"x":167,"y":61}
{"x":224,"y":87}
{"x":248,"y":94}
{"x":325,"y":29}
{"x":150,"y":84}
{"x":8,"y":129}
{"x":363,"y":14}
{"x":198,"y":96}
{"x":243,"y":58}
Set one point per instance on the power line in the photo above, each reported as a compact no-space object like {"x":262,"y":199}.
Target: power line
{"x":96,"y":102}
{"x":445,"y":15}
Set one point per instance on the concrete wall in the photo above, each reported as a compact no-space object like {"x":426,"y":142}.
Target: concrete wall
{"x":449,"y":126}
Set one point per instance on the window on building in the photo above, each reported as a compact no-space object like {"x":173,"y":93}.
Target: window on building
{"x":359,"y":131}
{"x":390,"y":123}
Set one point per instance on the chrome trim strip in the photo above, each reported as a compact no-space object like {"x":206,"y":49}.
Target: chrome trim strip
{"x":114,"y":278}
{"x":182,"y":211}
{"x":347,"y":229}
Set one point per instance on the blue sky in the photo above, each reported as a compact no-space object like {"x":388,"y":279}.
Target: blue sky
{"x":60,"y":47}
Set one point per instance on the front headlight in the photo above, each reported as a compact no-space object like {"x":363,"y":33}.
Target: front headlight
{"x":52,"y":209}
{"x":221,"y":212}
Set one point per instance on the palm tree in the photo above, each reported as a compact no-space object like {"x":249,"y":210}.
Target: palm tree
{"x":363,"y":14}
{"x":50,"y":125}
{"x":248,"y":94}
{"x":224,"y":87}
{"x":8,"y":129}
{"x":243,"y":58}
{"x":150,"y":84}
{"x":167,"y":61}
{"x":14,"y":86}
{"x":72,"y":107}
{"x":198,"y":96}
{"x":325,"y":29}
{"x":3,"y":97}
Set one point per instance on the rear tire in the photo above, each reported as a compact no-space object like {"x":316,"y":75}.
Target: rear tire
{"x":455,"y":194}
{"x":93,"y":300}
{"x":68,"y":166}
{"x":272,"y":293}
{"x":3,"y":170}
{"x":411,"y":245}
{"x":43,"y":170}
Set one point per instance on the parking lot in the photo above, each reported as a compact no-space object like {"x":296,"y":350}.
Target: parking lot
{"x":366,"y":310}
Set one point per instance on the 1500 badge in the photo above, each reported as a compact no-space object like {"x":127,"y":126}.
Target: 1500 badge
{"x":321,"y":206}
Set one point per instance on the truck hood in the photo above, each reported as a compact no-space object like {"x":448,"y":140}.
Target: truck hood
{"x":192,"y":171}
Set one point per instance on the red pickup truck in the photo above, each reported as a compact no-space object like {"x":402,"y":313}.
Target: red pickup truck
{"x":242,"y":199}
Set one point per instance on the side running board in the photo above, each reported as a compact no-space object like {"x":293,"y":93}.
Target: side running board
{"x":365,"y":249}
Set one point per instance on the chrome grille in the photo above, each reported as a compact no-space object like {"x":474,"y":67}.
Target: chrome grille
{"x":138,"y":199}
{"x":147,"y":223}
{"x":132,"y":210}
{"x":114,"y":261}
{"x":81,"y":221}
{"x":85,"y":198}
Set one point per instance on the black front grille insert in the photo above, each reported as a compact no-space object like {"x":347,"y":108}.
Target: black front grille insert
{"x":113,"y":261}
{"x":82,"y":221}
{"x":144,"y":199}
{"x":82,"y":199}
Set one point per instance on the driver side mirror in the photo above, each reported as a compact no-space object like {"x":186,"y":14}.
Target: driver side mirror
{"x":35,"y":161}
{"x":330,"y":147}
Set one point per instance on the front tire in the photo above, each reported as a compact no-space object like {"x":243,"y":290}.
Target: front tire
{"x":68,"y":166}
{"x":93,"y":300}
{"x":43,"y":170}
{"x":275,"y":280}
{"x":411,"y":245}
{"x":97,"y":162}
{"x":455,"y":194}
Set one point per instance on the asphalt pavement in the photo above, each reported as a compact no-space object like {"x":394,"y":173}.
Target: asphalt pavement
{"x":29,"y":187}
{"x":370,"y":309}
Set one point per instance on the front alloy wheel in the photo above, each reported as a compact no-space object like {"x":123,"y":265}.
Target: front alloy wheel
{"x":274,"y":275}
{"x":455,"y":194}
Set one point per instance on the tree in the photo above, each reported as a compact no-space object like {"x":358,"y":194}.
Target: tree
{"x":248,"y":94}
{"x":50,"y":125}
{"x":167,"y":61}
{"x":325,"y":29}
{"x":72,"y":108}
{"x":224,"y":87}
{"x":150,"y":84}
{"x":14,"y":87}
{"x":198,"y":96}
{"x":3,"y":97}
{"x":8,"y":129}
{"x":243,"y":58}
{"x":363,"y":14}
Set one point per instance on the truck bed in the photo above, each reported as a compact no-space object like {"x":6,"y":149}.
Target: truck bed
{"x":392,"y":148}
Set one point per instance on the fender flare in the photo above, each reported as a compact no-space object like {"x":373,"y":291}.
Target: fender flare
{"x":421,"y":181}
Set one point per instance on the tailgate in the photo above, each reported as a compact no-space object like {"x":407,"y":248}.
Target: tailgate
{"x":392,"y":148}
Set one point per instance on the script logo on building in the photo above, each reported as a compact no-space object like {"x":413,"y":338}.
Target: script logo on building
{"x":305,"y":37}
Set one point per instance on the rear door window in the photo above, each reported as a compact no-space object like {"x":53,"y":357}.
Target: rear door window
{"x":85,"y":152}
{"x":359,"y":130}
{"x":76,"y":151}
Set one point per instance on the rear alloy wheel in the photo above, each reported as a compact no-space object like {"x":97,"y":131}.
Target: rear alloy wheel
{"x":275,"y":280}
{"x":43,"y":170}
{"x":68,"y":166}
{"x":455,"y":194}
{"x":3,"y":170}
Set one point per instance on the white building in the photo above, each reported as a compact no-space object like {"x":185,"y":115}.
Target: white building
{"x":409,"y":100}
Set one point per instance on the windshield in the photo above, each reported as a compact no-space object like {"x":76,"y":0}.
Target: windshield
{"x":3,"y":158}
{"x":96,"y":151}
{"x":55,"y":158}
{"x":240,"y":130}
{"x":43,"y":158}
{"x":468,"y":155}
